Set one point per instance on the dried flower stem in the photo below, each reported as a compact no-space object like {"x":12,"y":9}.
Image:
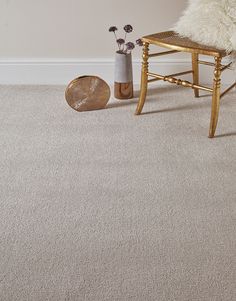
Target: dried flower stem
{"x":125,"y":36}
{"x":116,"y":38}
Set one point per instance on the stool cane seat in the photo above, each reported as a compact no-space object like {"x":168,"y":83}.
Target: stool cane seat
{"x":172,"y":40}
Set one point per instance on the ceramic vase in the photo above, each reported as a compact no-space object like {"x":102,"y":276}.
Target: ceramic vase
{"x":123,"y":86}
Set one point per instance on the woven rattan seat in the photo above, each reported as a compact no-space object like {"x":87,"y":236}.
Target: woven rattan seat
{"x":172,"y":40}
{"x":176,"y":43}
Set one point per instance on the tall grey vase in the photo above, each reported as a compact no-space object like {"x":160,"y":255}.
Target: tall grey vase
{"x":123,"y":88}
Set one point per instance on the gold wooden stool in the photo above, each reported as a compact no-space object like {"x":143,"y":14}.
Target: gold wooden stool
{"x":177,"y":43}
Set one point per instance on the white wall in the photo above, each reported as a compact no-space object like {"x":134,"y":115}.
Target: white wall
{"x":75,"y":28}
{"x":54,"y":41}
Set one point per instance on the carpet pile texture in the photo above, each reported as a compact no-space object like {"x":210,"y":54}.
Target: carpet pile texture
{"x":106,"y":206}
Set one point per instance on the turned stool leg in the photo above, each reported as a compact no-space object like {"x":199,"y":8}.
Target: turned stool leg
{"x":195,"y":72}
{"x":144,"y":79}
{"x":216,"y":97}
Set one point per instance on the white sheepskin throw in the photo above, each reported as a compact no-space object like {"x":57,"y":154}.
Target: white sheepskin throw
{"x":210,"y":22}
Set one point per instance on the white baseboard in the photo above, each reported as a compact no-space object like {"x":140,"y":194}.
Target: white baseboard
{"x":62,"y":71}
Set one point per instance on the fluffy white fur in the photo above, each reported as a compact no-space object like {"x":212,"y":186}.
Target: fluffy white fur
{"x":210,"y":22}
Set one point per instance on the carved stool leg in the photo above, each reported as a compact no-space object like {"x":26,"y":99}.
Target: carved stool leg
{"x":144,"y":79}
{"x":216,"y":97}
{"x":195,"y":72}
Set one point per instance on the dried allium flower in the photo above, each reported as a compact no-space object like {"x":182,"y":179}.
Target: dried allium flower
{"x":139,"y":42}
{"x":113,"y":29}
{"x":130,"y":46}
{"x":120,"y":41}
{"x":122,"y":45}
{"x":128,"y":28}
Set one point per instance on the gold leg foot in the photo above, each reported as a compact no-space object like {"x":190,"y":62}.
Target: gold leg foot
{"x":195,"y":65}
{"x":142,"y":99}
{"x":215,"y":98}
{"x":144,"y":80}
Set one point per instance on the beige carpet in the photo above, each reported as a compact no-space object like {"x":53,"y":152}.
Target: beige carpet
{"x":108,"y":206}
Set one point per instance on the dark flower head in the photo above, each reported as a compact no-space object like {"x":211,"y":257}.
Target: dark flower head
{"x":128,"y":28}
{"x":130,"y":46}
{"x":120,"y":41}
{"x":113,"y":29}
{"x":139,"y":42}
